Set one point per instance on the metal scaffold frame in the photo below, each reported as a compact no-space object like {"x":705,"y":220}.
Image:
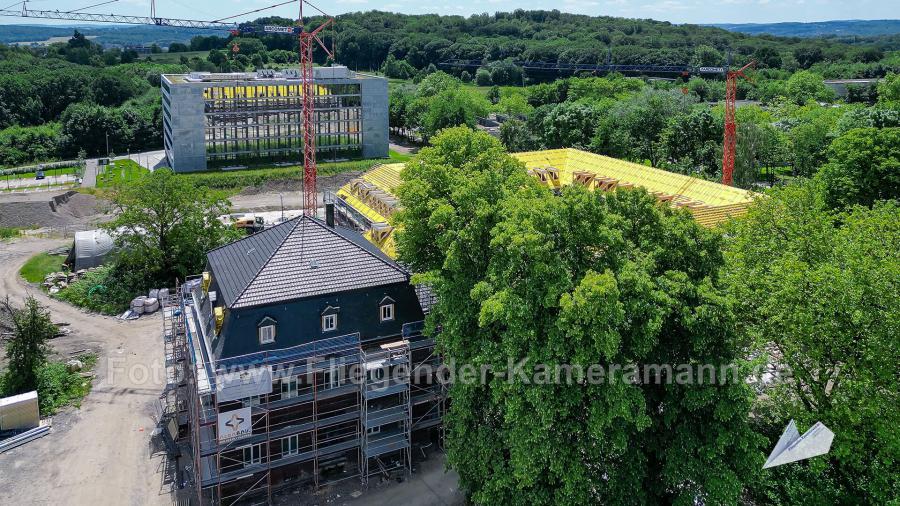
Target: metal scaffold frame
{"x":323,"y":403}
{"x":386,"y":409}
{"x":329,"y":433}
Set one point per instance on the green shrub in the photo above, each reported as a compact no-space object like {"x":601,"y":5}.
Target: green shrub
{"x":9,"y":232}
{"x":102,"y":290}
{"x":57,"y":387}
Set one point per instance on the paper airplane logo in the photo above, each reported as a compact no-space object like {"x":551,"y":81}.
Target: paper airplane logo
{"x":792,"y":447}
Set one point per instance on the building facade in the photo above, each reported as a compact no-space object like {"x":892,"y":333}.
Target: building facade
{"x":221,"y":120}
{"x":296,"y":360}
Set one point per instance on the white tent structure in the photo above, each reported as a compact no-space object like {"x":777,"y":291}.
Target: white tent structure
{"x":90,"y":249}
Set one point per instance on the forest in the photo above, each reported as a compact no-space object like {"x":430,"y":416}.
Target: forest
{"x":54,"y":101}
{"x":57,"y":103}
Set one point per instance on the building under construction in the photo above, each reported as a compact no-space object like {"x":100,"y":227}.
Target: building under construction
{"x":297,"y":359}
{"x":367,"y":203}
{"x":220,"y":120}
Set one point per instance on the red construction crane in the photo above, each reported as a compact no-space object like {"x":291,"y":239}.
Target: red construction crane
{"x":730,"y":125}
{"x":307,"y":41}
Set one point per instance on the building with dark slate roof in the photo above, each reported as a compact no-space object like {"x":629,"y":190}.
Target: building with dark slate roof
{"x":298,"y":358}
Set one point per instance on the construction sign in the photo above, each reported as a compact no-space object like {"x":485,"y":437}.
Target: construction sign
{"x":235,"y":424}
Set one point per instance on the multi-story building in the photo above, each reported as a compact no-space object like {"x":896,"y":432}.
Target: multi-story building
{"x":221,"y":120}
{"x":297,"y":359}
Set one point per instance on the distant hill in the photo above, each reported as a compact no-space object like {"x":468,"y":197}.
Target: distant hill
{"x":119,"y":35}
{"x":820,"y":29}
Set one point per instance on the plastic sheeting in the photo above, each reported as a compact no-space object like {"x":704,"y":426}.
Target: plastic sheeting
{"x":90,"y":249}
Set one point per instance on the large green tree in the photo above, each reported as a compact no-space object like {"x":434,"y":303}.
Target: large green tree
{"x":164,"y":226}
{"x":525,"y":277}
{"x":820,"y":295}
{"x":863,"y":166}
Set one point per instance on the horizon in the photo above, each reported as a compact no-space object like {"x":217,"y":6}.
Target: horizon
{"x":740,"y":12}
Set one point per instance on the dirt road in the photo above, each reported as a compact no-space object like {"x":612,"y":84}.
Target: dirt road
{"x":99,"y":454}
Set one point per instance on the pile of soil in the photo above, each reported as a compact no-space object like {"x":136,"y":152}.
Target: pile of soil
{"x":68,"y":209}
{"x":323,"y":183}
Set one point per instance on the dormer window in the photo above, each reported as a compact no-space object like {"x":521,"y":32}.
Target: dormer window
{"x":329,"y":319}
{"x":329,"y":322}
{"x":386,"y":309}
{"x":266,"y":330}
{"x":387,"y":312}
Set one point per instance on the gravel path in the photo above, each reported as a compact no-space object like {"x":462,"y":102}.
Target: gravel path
{"x":100,"y":453}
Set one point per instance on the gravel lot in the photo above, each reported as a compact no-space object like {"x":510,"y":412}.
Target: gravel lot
{"x":99,"y":454}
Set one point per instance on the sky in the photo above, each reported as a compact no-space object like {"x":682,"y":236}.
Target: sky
{"x":676,"y":11}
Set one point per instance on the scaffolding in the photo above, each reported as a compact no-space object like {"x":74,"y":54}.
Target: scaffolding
{"x":387,"y":411}
{"x":329,"y":410}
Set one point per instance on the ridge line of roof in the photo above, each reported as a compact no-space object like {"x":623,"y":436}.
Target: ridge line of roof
{"x":264,"y":264}
{"x":232,"y":243}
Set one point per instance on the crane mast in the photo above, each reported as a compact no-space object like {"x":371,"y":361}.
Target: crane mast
{"x":307,"y":40}
{"x":730,"y":141}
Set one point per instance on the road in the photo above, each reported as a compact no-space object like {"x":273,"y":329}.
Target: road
{"x":98,"y":454}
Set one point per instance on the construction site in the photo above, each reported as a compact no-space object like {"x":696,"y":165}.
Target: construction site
{"x":321,"y":377}
{"x":219,"y":120}
{"x":297,"y":359}
{"x":368,"y":202}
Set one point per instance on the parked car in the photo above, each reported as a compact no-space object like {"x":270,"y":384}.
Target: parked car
{"x":39,"y":174}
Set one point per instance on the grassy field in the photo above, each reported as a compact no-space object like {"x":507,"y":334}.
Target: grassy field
{"x":38,"y":266}
{"x":120,"y":171}
{"x":399,"y":157}
{"x":236,"y":180}
{"x":47,"y":173}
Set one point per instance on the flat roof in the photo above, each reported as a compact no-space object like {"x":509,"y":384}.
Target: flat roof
{"x":265,"y":77}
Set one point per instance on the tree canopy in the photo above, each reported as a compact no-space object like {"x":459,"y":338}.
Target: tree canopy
{"x":26,"y":349}
{"x":820,"y":294}
{"x":863,"y":167}
{"x":164,"y":227}
{"x":585,"y":278}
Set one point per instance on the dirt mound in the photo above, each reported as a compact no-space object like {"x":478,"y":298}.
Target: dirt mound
{"x":69,"y":209}
{"x":324,"y":183}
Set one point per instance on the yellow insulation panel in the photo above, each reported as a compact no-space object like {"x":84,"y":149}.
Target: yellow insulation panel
{"x":569,"y":161}
{"x":386,"y":177}
{"x":710,"y":203}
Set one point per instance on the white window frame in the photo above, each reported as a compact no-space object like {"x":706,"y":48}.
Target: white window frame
{"x":329,"y":322}
{"x":286,"y":450}
{"x":374,"y":430}
{"x":332,"y":379}
{"x":387,"y":312}
{"x":266,"y":334}
{"x":253,"y":450}
{"x":292,"y":390}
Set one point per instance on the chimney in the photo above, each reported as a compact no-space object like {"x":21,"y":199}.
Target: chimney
{"x":329,"y":214}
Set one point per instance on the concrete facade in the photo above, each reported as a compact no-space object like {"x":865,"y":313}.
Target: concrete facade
{"x":218,"y":120}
